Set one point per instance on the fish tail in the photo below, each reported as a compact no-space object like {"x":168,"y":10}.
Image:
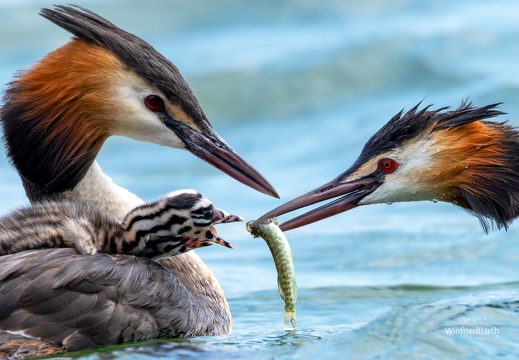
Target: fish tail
{"x":290,"y":319}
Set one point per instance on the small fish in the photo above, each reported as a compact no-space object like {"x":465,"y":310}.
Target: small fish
{"x":280,"y":249}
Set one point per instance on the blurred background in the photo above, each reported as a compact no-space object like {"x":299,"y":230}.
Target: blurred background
{"x":297,"y":88}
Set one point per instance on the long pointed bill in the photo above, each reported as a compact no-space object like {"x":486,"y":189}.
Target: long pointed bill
{"x":214,"y":150}
{"x":352,"y":191}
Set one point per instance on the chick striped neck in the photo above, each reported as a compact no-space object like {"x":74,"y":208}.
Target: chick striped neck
{"x":160,"y":229}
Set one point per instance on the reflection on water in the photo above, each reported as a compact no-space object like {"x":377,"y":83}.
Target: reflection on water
{"x":297,"y":88}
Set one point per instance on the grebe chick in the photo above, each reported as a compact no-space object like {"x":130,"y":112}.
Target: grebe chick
{"x":176,"y":223}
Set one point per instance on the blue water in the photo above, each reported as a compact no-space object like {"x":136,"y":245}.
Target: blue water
{"x":297,"y":87}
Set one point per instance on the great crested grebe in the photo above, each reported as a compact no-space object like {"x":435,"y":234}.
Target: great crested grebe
{"x":55,"y":118}
{"x":453,"y":156}
{"x":176,"y":223}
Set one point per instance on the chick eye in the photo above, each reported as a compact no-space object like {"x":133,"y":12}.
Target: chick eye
{"x":387,"y":165}
{"x":154,"y":102}
{"x":208,"y":214}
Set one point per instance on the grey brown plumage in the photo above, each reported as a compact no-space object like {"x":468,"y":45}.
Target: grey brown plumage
{"x":101,"y":298}
{"x":98,"y":299}
{"x":174,"y":224}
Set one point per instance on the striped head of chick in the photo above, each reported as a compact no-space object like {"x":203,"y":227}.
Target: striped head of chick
{"x":176,"y":223}
{"x":455,"y":156}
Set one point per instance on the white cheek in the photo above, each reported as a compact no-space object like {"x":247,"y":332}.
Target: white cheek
{"x":408,"y":182}
{"x":397,"y":190}
{"x":139,"y":123}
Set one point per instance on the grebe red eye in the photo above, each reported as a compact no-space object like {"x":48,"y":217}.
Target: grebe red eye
{"x":387,"y":165}
{"x":154,"y":102}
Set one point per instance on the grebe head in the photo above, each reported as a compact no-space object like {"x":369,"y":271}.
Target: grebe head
{"x":452,"y":156}
{"x":105,"y":81}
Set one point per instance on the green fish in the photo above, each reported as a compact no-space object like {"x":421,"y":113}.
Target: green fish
{"x":280,"y":249}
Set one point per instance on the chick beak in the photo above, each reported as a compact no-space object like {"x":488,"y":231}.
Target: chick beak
{"x":218,"y":240}
{"x":224,"y":217}
{"x":352,"y":192}
{"x":211,"y":148}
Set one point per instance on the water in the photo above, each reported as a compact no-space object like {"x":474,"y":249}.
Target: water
{"x":297,"y":87}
